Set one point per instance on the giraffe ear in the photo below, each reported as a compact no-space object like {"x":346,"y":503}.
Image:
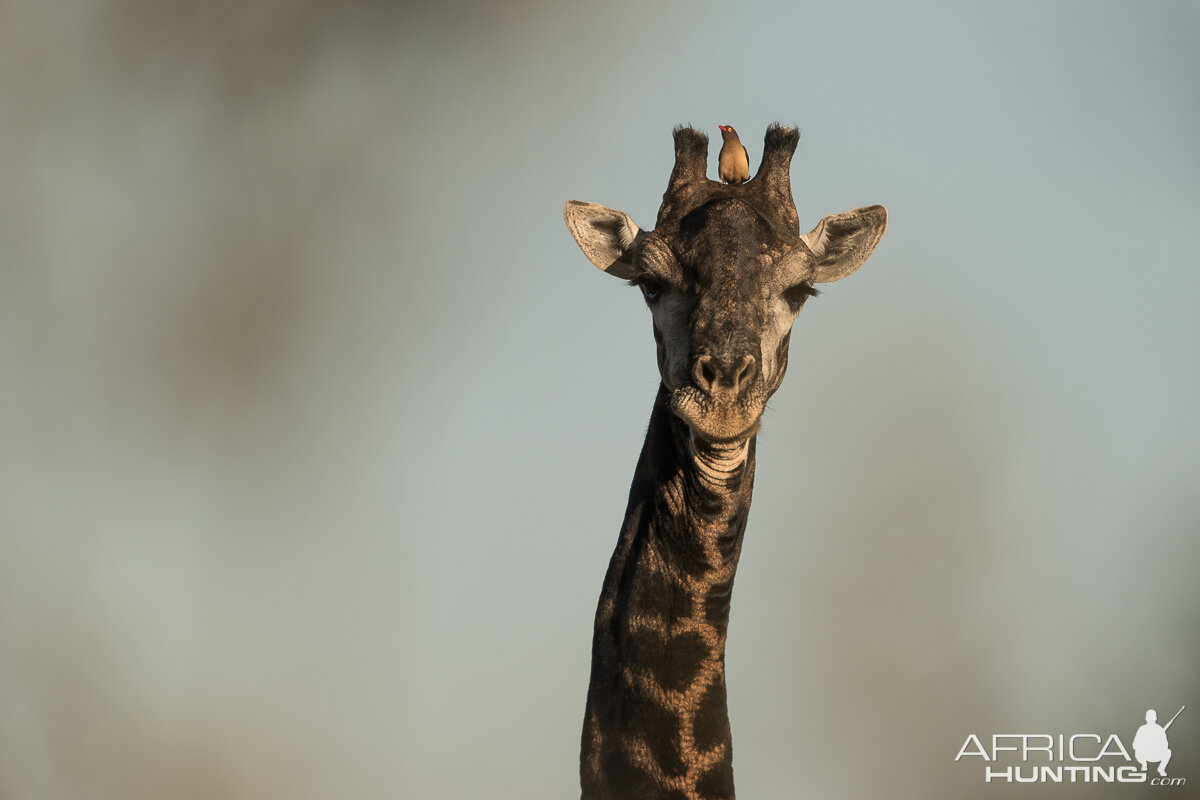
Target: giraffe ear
{"x":841,"y":242}
{"x":608,"y":237}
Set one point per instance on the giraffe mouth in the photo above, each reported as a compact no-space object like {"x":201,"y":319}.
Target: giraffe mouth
{"x":714,"y":421}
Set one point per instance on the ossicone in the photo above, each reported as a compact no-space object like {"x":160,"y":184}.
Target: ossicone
{"x":778,"y":146}
{"x":691,"y":156}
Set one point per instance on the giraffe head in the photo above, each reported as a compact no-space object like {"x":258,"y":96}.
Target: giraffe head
{"x":725,"y":272}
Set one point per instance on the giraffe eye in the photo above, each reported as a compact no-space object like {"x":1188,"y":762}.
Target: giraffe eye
{"x":652,"y":289}
{"x":796,"y":295}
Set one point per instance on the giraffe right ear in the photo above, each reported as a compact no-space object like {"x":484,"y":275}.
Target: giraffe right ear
{"x":608,"y":237}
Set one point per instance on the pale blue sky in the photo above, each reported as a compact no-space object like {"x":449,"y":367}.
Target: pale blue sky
{"x":319,"y":427}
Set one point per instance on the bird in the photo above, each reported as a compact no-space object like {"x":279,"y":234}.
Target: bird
{"x":733,"y":165}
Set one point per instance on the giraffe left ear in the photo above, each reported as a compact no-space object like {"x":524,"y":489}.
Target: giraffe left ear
{"x":608,"y":237}
{"x":841,"y":242}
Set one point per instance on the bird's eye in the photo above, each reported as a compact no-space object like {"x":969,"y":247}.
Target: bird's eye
{"x":796,"y":295}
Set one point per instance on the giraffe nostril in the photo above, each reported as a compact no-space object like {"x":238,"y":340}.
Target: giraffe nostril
{"x":704,"y":373}
{"x":746,"y":372}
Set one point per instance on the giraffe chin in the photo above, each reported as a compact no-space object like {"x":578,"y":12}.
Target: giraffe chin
{"x":715,"y":422}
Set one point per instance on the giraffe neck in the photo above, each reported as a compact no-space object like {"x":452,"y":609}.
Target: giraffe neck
{"x":656,"y":724}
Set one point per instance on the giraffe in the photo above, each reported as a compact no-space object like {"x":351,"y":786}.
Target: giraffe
{"x":724,"y":272}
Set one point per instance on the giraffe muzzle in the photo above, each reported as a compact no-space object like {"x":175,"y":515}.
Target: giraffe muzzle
{"x":723,"y":401}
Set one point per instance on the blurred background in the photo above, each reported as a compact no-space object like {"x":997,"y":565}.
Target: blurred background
{"x":316,"y":427}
